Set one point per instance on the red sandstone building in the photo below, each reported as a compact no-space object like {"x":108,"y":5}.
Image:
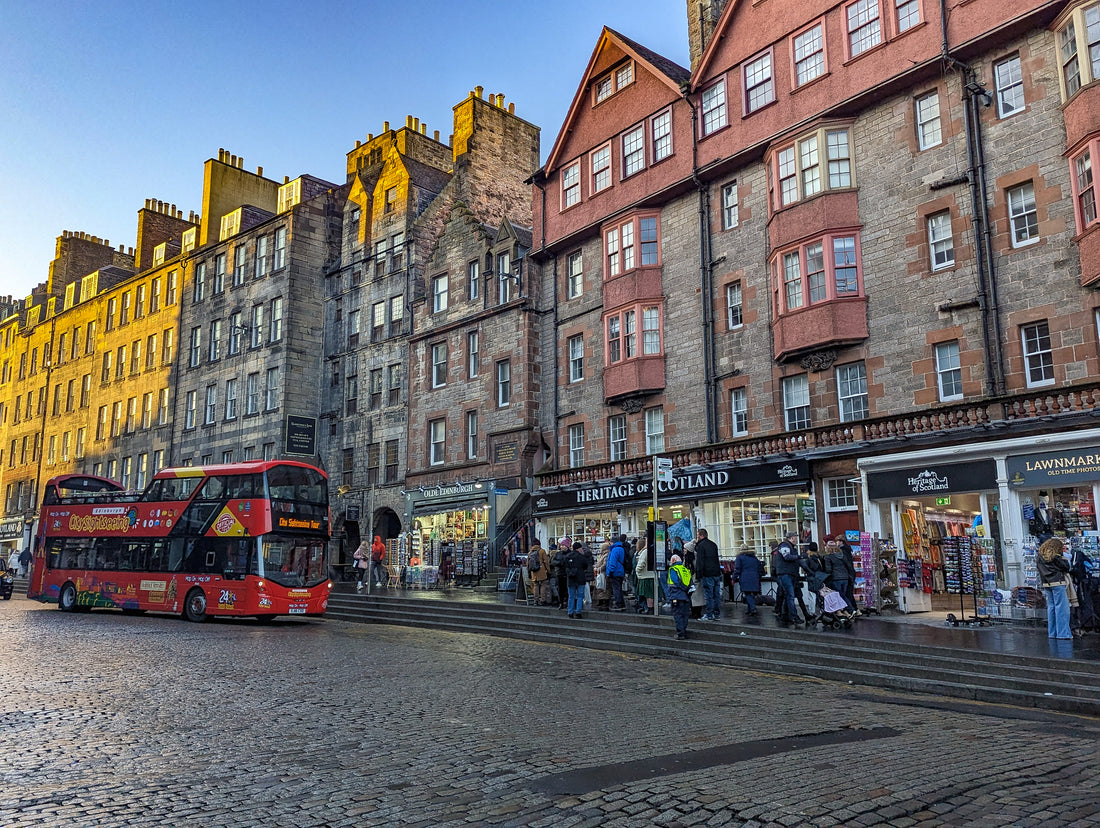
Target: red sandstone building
{"x":842,"y":271}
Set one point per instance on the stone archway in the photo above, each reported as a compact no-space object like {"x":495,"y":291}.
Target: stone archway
{"x":386,"y":524}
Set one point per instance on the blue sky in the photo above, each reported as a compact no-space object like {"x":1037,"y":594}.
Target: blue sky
{"x":107,"y":104}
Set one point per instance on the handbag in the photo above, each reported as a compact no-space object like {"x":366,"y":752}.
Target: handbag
{"x":601,"y":581}
{"x":1071,"y":593}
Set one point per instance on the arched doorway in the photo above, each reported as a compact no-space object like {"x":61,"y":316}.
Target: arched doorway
{"x":387,"y":524}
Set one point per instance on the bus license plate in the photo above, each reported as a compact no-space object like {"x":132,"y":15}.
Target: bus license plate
{"x":297,"y":610}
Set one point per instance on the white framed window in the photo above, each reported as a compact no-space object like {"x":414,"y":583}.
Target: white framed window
{"x":796,"y":402}
{"x":1008,"y":79}
{"x":600,"y":161}
{"x":739,"y":412}
{"x":633,"y":151}
{"x":948,"y":371}
{"x":809,"y":54}
{"x":190,"y":409}
{"x":655,"y":430}
{"x":729,"y":206}
{"x":276,"y":331}
{"x":571,"y":185}
{"x":471,"y":435}
{"x":200,"y":282}
{"x":473,"y":280}
{"x":841,"y":495}
{"x":439,"y":364}
{"x":257,"y":328}
{"x":574,"y":275}
{"x":252,"y":394}
{"x":714,"y":107}
{"x":908,"y":14}
{"x":576,"y":445}
{"x":505,"y":279}
{"x":219,"y":273}
{"x":941,"y":244}
{"x":279,"y":258}
{"x":864,"y":26}
{"x":734,"y":315}
{"x":660,"y":134}
{"x":1083,"y":191}
{"x":1079,"y":49}
{"x":439,"y":293}
{"x":1023,"y":214}
{"x":231,"y":399}
{"x":613,"y":82}
{"x":801,"y":172}
{"x":437,"y":441}
{"x":196,"y":346}
{"x":929,"y":133}
{"x":1038,"y":354}
{"x":240,"y":265}
{"x":851,"y":391}
{"x":211,"y":406}
{"x":271,"y":389}
{"x":504,"y":383}
{"x":473,"y":354}
{"x":759,"y":88}
{"x":576,"y":358}
{"x":262,"y":261}
{"x":616,"y":436}
{"x":215,"y":350}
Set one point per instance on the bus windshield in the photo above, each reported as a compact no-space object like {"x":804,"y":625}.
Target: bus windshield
{"x":298,"y":484}
{"x":294,"y":561}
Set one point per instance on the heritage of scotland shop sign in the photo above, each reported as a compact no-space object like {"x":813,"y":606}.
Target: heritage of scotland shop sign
{"x":932,"y":480}
{"x":1053,"y":468}
{"x":685,"y":484}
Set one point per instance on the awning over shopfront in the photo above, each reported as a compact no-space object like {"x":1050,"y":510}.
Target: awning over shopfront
{"x":685,"y":485}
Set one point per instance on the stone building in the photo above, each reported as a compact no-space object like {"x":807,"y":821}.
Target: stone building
{"x":862,"y":236}
{"x":427,"y":226}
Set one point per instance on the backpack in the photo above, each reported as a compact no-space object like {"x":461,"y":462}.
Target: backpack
{"x":628,"y":562}
{"x":534,"y":561}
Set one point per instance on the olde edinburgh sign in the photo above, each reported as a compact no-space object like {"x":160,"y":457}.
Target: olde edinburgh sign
{"x":932,"y":480}
{"x":684,"y":484}
{"x":1053,"y":468}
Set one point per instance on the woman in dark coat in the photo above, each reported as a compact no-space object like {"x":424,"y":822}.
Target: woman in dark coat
{"x":747,"y":572}
{"x":814,"y":566}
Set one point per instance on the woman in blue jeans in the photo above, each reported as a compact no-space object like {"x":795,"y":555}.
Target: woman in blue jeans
{"x":1053,"y":576}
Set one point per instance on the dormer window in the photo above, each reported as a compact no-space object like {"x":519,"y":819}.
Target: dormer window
{"x":230,"y":225}
{"x":290,"y":194}
{"x":190,"y":240}
{"x":158,"y":253}
{"x":614,"y":81}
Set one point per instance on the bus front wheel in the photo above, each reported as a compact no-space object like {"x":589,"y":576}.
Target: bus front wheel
{"x":194,"y":608}
{"x":66,"y":600}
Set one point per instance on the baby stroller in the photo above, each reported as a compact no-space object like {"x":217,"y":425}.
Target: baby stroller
{"x":835,"y":614}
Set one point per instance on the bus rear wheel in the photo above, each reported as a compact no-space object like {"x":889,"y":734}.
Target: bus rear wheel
{"x":194,"y":608}
{"x":66,"y":600}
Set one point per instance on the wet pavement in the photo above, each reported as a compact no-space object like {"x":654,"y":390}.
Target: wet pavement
{"x":114,"y":720}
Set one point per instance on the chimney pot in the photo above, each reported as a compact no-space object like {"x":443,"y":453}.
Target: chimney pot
{"x":370,"y":136}
{"x":478,"y":90}
{"x":260,"y":171}
{"x":511,"y":108}
{"x":286,"y":179}
{"x":435,"y":135}
{"x":385,"y":126}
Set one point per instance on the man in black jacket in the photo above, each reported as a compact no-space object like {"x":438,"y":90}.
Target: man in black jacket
{"x":709,"y":571}
{"x":786,"y":572}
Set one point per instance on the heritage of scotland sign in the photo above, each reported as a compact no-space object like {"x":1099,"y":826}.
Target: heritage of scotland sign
{"x":932,"y":480}
{"x":639,"y":489}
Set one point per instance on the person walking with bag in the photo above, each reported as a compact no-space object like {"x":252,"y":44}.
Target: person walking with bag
{"x":538,"y":566}
{"x":786,"y":570}
{"x":814,"y":567}
{"x":1053,"y":577}
{"x":615,"y":570}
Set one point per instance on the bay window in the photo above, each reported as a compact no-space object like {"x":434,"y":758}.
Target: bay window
{"x":818,"y":271}
{"x":631,"y":243}
{"x":800,"y":170}
{"x":1079,"y":49}
{"x":1084,"y":194}
{"x":621,"y":330}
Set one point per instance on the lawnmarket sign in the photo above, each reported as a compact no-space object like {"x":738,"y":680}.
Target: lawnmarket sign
{"x":1053,"y":468}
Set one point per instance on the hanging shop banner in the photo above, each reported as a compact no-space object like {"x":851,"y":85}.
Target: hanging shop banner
{"x":933,"y":480}
{"x":1053,"y":468}
{"x":684,"y":485}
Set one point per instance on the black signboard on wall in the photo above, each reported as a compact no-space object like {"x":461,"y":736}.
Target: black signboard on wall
{"x":301,"y":435}
{"x":933,"y":480}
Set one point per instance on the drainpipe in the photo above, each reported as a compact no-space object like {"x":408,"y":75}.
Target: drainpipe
{"x":554,"y":317}
{"x":974,"y":95}
{"x":706,"y":271}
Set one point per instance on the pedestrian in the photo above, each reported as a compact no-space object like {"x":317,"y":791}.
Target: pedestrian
{"x":850,"y":565}
{"x":557,"y":569}
{"x":836,"y":571}
{"x":747,"y":572}
{"x":786,"y":572}
{"x":708,"y":569}
{"x":773,"y":552}
{"x":577,"y":566}
{"x":1053,"y":577}
{"x":377,"y":556}
{"x":538,"y":566}
{"x":697,"y":602}
{"x":602,"y":598}
{"x":362,"y":564}
{"x":13,"y":561}
{"x":814,"y":567}
{"x":25,"y":561}
{"x":679,"y":594}
{"x":615,"y":570}
{"x":643,"y":580}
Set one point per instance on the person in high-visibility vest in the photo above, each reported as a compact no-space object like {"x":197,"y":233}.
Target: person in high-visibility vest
{"x":679,"y":594}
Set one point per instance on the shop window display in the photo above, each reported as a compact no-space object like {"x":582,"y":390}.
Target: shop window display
{"x":752,"y":521}
{"x":448,"y":547}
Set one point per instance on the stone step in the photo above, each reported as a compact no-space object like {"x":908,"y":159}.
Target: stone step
{"x":1053,"y":684}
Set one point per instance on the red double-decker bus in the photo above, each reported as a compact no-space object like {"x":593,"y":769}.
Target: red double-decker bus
{"x":237,"y":539}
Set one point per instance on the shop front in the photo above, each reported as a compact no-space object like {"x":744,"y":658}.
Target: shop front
{"x":14,"y":536}
{"x":451,"y":529}
{"x":737,"y":504}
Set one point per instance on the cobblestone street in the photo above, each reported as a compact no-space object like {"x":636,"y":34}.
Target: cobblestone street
{"x":113,"y":720}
